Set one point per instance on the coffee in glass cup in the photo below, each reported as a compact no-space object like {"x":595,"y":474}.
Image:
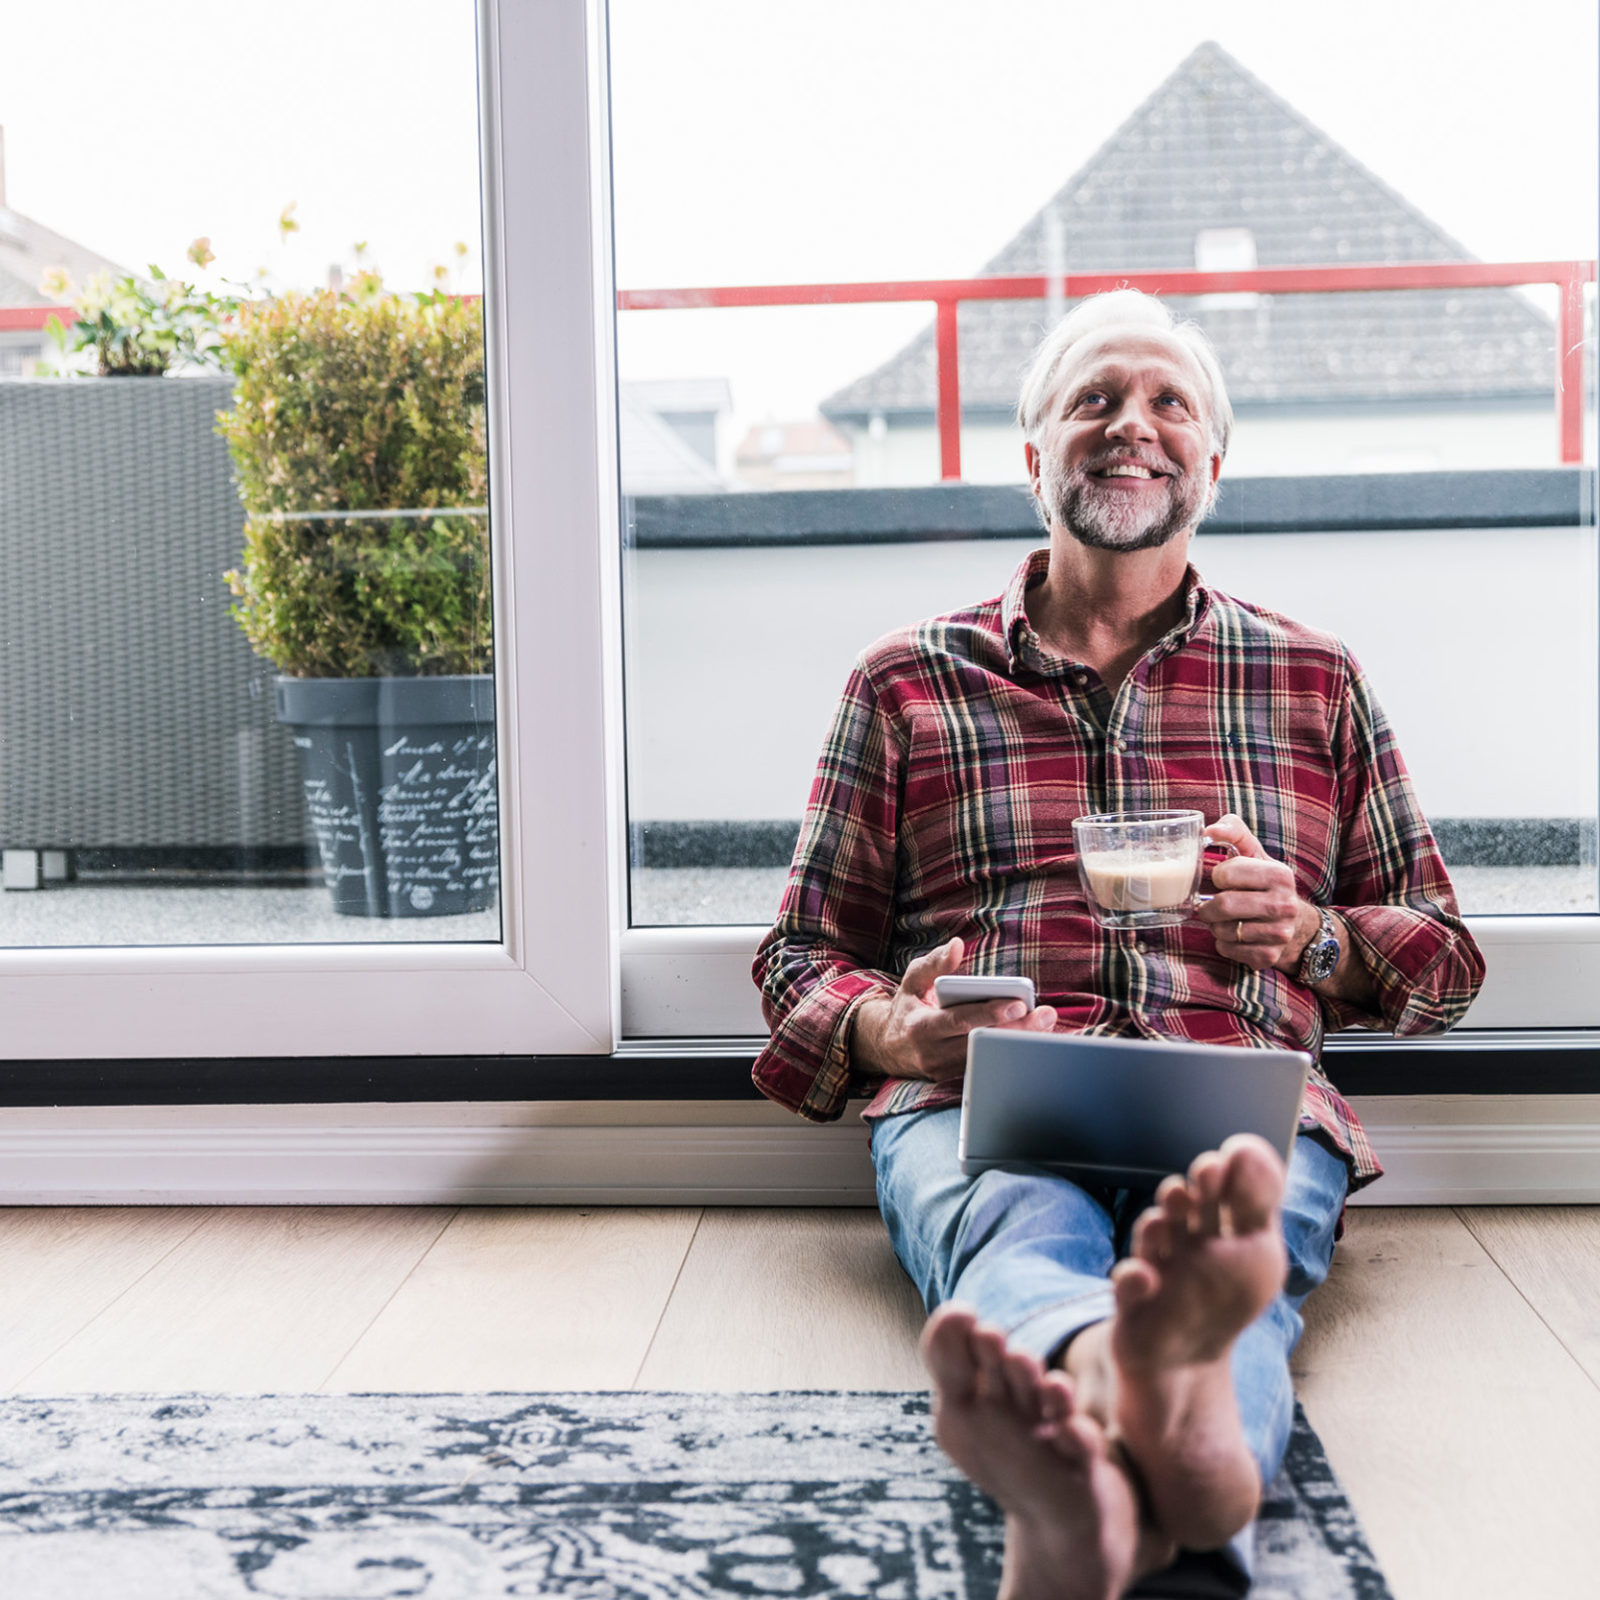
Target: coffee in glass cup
{"x":1141,"y":869}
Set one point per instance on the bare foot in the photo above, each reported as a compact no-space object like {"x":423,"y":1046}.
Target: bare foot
{"x":1207,"y":1258}
{"x":1072,"y":1517}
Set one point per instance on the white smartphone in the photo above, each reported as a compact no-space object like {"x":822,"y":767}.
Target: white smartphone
{"x":965,"y":989}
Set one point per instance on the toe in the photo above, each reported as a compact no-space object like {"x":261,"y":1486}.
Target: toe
{"x":1022,"y":1375}
{"x":1178,"y":1207}
{"x":1152,"y":1236}
{"x":947,"y":1351}
{"x":1057,"y":1398}
{"x":1134,"y":1280}
{"x":1082,"y":1437}
{"x":1205,"y":1184}
{"x":1252,"y":1185}
{"x":989,"y":1350}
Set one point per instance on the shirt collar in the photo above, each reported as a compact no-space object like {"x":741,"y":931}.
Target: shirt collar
{"x":1023,"y":645}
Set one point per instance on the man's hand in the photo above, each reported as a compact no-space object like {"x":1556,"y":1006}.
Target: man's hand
{"x":1256,"y":916}
{"x":911,"y":1037}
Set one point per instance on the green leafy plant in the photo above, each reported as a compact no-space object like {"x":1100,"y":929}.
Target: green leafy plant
{"x":357,"y":433}
{"x":145,"y":327}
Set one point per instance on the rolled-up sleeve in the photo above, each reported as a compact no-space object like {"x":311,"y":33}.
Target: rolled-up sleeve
{"x":830,"y":947}
{"x":1392,"y":888}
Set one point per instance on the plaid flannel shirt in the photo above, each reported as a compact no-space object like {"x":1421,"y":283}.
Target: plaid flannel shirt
{"x":961,"y":751}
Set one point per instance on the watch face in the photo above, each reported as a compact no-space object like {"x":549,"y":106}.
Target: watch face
{"x":1324,"y":958}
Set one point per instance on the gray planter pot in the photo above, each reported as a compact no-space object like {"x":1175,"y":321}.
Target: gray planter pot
{"x":401,"y":790}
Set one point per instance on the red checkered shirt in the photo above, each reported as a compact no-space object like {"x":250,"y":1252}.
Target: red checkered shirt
{"x":961,"y":751}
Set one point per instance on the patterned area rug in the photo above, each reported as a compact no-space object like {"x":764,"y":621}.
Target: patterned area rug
{"x":599,"y":1496}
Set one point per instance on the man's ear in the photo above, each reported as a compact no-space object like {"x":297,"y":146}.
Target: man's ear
{"x":1030,"y":454}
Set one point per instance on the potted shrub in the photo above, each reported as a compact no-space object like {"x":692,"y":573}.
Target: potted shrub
{"x":357,"y":435}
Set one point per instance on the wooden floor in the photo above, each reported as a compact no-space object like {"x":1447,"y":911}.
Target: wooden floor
{"x":1451,"y":1364}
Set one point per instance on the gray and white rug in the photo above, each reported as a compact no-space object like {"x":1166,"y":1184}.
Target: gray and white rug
{"x":598,"y":1496}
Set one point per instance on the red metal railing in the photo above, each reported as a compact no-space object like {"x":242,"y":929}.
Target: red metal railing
{"x":1569,"y":277}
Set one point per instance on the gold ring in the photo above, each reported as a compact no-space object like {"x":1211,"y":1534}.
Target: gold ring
{"x":1238,"y":933}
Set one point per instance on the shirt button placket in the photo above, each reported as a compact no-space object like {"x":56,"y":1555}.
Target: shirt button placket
{"x":1118,"y":748}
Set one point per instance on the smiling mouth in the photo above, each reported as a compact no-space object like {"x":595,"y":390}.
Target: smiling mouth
{"x":1125,"y":469}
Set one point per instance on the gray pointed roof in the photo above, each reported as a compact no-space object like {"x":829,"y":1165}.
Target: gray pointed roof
{"x":28,"y":250}
{"x":1213,"y":147}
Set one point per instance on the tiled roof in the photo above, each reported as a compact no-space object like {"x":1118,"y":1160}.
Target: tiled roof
{"x":1213,"y":147}
{"x":772,"y":441}
{"x":28,"y":250}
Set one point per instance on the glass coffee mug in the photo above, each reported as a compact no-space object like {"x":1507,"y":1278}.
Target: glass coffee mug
{"x":1141,"y":869}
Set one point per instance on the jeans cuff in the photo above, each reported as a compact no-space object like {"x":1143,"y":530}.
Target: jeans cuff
{"x":1044,"y":1331}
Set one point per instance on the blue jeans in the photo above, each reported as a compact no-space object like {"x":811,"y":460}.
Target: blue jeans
{"x":1031,"y":1253}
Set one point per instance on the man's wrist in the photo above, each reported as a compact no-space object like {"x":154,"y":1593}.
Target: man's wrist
{"x":866,"y":1032}
{"x":1324,"y":955}
{"x":1307,"y":926}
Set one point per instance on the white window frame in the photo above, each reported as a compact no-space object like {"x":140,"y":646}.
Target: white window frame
{"x":550,"y":985}
{"x":1543,"y":972}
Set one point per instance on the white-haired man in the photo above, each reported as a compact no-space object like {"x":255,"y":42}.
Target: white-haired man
{"x":1111,"y":1367}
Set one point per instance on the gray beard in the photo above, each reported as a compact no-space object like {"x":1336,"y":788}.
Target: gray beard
{"x":1095,"y":518}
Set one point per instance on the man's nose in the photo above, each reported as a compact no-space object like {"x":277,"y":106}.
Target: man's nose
{"x":1133,"y":420}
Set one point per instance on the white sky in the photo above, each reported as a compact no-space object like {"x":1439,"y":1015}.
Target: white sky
{"x":760,"y":142}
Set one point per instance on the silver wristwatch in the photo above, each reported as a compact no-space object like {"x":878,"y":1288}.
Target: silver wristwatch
{"x":1321,"y":956}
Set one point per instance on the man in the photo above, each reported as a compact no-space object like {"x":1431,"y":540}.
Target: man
{"x":1117,"y":1411}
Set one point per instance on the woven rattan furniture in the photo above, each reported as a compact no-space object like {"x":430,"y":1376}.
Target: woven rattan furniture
{"x":134,"y":720}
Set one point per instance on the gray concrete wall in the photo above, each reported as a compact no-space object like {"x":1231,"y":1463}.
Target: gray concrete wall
{"x":1481,"y":644}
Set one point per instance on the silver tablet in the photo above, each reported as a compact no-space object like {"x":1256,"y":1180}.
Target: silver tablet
{"x":1119,"y":1112}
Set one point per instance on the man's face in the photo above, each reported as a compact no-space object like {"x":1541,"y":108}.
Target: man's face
{"x":1124,"y":459}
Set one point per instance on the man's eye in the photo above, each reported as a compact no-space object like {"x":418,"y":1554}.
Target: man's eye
{"x":1092,"y":398}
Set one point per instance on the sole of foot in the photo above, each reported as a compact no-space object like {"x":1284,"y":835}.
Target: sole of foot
{"x":1072,"y":1517}
{"x":1207,"y":1259}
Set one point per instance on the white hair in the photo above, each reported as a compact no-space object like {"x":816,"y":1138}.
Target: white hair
{"x":1138,"y":312}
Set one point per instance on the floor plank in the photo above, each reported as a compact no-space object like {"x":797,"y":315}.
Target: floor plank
{"x":789,"y":1299}
{"x":527,"y":1299}
{"x":254,"y":1300}
{"x":1552,"y":1255}
{"x":62,"y":1266}
{"x":1468,"y":1439}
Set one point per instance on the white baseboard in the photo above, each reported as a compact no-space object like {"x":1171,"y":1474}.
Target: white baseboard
{"x":1438,"y":1150}
{"x":1483,"y":1150}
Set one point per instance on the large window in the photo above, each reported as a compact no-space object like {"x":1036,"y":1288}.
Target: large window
{"x":806,"y":434}
{"x":289,"y":762}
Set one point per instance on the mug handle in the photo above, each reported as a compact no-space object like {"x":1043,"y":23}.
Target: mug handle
{"x":1228,"y":851}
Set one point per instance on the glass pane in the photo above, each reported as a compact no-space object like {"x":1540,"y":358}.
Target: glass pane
{"x":246,"y":653}
{"x":793,"y":490}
